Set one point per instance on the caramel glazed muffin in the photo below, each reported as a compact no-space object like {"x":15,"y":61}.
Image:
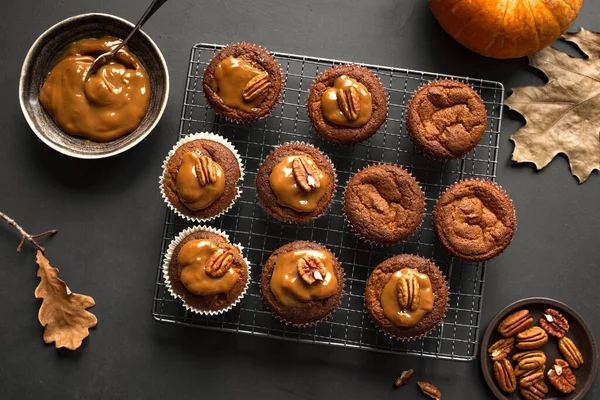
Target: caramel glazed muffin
{"x":384,"y":203}
{"x":406,"y":296}
{"x":200,"y":178}
{"x":207,"y":272}
{"x":242,"y":83}
{"x":302,"y":282}
{"x":347,"y":104}
{"x":446,"y":119}
{"x":475,"y":220}
{"x":295,"y":183}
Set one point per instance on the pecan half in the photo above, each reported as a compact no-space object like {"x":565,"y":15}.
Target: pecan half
{"x":570,"y":352}
{"x":515,"y":323}
{"x":501,"y":348}
{"x":561,"y":376}
{"x":311,"y":269}
{"x":408,"y":292}
{"x":306,"y":174}
{"x":403,"y":378}
{"x":534,"y":392}
{"x":206,"y":170}
{"x":218,"y":263}
{"x":256,"y":87}
{"x":554,"y":323}
{"x":505,"y":375}
{"x":528,"y":360}
{"x":531,"y":339}
{"x":349,"y":102}
{"x":430,"y":390}
{"x":531,"y":377}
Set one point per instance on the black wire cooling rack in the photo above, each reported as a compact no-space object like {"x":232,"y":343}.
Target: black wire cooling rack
{"x":248,"y":224}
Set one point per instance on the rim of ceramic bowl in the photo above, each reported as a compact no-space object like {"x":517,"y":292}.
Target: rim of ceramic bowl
{"x":28,"y":61}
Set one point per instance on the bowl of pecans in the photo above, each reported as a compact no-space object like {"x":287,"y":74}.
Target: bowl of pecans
{"x":536,"y":349}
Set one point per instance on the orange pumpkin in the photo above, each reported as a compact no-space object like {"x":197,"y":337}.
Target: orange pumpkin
{"x":505,"y":28}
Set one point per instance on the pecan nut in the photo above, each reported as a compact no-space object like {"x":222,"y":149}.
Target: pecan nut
{"x":501,"y":348}
{"x":515,"y":323}
{"x":218,"y":263}
{"x":430,"y":390}
{"x":404,"y":377}
{"x":256,"y":87}
{"x":349,"y":102}
{"x":561,"y":376}
{"x":532,"y":338}
{"x":505,"y":375}
{"x":306,"y":174}
{"x":529,"y":360}
{"x":534,"y":392}
{"x":311,"y":269}
{"x":554,"y":323}
{"x":206,"y":170}
{"x":531,"y":377}
{"x":408,"y":292}
{"x":570,"y":352}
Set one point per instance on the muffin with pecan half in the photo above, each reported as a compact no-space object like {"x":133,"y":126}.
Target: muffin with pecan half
{"x":205,"y":271}
{"x":295,"y":183}
{"x":347,"y":104}
{"x":242,"y":82}
{"x":406,"y":296}
{"x":302,"y":282}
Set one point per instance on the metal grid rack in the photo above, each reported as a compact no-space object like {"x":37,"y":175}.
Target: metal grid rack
{"x":248,"y":224}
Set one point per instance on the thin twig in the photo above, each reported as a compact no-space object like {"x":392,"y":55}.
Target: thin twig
{"x":25,"y":235}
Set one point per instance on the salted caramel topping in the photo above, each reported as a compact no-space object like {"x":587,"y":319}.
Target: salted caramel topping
{"x":289,"y":192}
{"x":289,"y":287}
{"x":390,"y":303}
{"x":192,"y":259}
{"x":109,"y":105}
{"x":232,"y":75}
{"x":331,"y":109}
{"x":197,"y":187}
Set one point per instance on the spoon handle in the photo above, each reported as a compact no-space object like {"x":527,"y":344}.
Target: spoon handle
{"x":154,"y":6}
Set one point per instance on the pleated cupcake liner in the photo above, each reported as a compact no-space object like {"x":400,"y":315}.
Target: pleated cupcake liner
{"x":335,"y":181}
{"x":166,"y":261}
{"x":501,"y":190}
{"x":336,"y":67}
{"x":190,"y":138}
{"x":360,"y":235}
{"x":256,"y":118}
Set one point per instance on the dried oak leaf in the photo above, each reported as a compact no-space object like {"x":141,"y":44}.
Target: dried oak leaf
{"x":562,"y":116}
{"x":63,"y":314}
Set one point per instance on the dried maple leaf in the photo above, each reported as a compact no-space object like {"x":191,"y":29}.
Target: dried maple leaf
{"x":562,"y":116}
{"x":63,"y":314}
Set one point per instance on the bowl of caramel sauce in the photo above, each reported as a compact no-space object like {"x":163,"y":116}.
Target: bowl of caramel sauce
{"x":109,"y":112}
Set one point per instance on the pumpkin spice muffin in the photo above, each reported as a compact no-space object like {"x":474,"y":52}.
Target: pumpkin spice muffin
{"x":200,"y":175}
{"x":205,"y":271}
{"x":446,"y":119}
{"x":295,"y":183}
{"x":302,"y":282}
{"x":347,"y":104}
{"x":474,"y":219}
{"x":383,"y":203}
{"x":242,"y":83}
{"x":406,"y":296}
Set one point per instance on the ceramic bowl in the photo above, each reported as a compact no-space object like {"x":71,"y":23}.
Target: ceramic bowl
{"x":44,"y":54}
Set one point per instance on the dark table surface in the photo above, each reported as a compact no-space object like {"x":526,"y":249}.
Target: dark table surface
{"x":109,"y":215}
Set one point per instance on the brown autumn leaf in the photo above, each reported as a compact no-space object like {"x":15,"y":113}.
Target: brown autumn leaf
{"x":62,"y":313}
{"x":562,"y":116}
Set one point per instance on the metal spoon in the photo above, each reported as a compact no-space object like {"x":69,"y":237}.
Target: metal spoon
{"x":105,"y":58}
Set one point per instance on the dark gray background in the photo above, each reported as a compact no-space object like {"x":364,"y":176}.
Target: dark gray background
{"x":109,"y":215}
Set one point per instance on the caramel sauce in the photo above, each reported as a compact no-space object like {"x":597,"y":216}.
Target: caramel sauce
{"x":189,"y":190}
{"x":112,"y":102}
{"x":232,"y":75}
{"x":290,"y":289}
{"x":331,"y":110}
{"x":391,"y":305}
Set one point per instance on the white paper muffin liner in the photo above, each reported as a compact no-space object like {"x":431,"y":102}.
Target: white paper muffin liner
{"x":166,"y":261}
{"x":372,"y":242}
{"x":197,"y":136}
{"x":335,"y":181}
